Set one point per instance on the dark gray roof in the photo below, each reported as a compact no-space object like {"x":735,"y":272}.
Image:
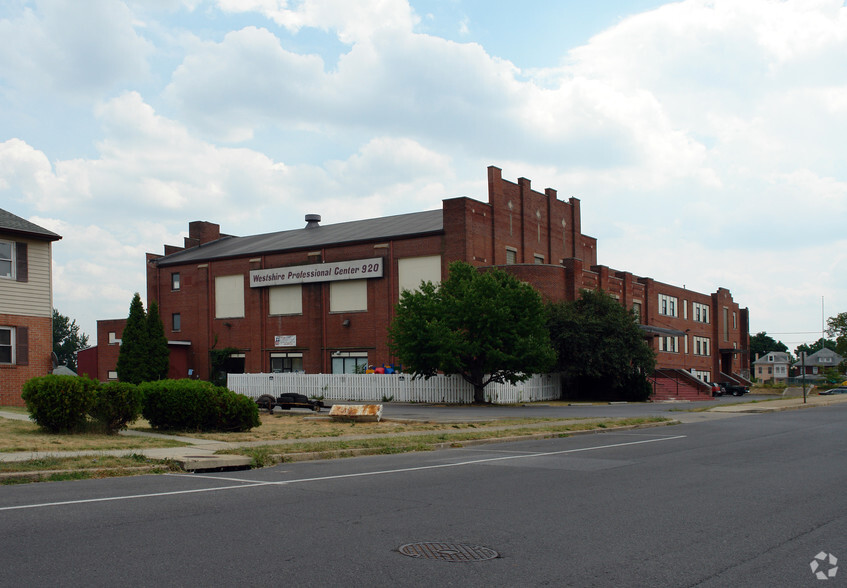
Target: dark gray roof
{"x":817,"y":358}
{"x":375,"y":229}
{"x":10,"y":223}
{"x":774,"y":357}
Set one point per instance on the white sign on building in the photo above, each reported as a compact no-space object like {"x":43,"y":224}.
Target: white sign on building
{"x":285,"y":341}
{"x":356,"y":269}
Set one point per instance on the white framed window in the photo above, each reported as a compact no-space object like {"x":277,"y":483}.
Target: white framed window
{"x":669,"y":344}
{"x":229,"y":296}
{"x":701,"y":312}
{"x":668,"y":305}
{"x":411,"y":271}
{"x":7,"y":345}
{"x":112,"y":375}
{"x":283,"y":363}
{"x":175,"y":281}
{"x":7,"y":259}
{"x":285,"y":299}
{"x":702,"y":346}
{"x":349,"y":362}
{"x":348,"y":295}
{"x":511,"y":255}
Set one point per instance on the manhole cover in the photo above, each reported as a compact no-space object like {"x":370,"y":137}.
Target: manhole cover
{"x":454,"y":552}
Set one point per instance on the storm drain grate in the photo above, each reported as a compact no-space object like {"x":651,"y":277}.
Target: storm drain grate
{"x":452,"y":552}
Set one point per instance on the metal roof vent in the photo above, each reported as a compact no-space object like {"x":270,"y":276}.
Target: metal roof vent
{"x":313,"y":221}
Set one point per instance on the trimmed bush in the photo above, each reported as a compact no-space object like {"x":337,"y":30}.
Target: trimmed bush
{"x":60,"y":404}
{"x":117,"y":405}
{"x":194,"y":405}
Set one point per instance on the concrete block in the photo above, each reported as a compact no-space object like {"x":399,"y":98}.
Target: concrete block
{"x":356,"y":412}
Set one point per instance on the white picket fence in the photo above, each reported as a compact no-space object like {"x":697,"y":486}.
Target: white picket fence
{"x":393,"y":387}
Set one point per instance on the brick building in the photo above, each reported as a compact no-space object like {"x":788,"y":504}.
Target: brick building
{"x":319,"y":299}
{"x":26,"y":304}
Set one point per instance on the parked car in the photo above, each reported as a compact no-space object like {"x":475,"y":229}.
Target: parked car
{"x":734,"y":389}
{"x":716,"y":389}
{"x":837,"y":390}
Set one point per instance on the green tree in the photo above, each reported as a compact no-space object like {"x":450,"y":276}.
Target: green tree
{"x":600,"y":348}
{"x":837,"y":327}
{"x":814,"y":347}
{"x":761,"y":344}
{"x":483,"y":326}
{"x":134,"y":358}
{"x":67,"y":339}
{"x":159,"y":354}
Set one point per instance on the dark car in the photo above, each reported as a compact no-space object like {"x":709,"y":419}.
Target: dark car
{"x":733,"y":388}
{"x":288,"y":401}
{"x":837,"y":390}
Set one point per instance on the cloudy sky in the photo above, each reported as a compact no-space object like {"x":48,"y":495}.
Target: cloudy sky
{"x":705,"y":138}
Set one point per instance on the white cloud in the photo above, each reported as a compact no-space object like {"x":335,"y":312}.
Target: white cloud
{"x":56,"y":46}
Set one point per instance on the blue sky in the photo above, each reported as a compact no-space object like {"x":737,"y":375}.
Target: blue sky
{"x":705,"y":138}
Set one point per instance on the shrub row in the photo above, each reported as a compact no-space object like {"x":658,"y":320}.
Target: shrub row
{"x":67,"y":404}
{"x":195,"y":405}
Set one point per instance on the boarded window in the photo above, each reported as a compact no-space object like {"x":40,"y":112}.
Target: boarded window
{"x":348,"y":295}
{"x":229,"y":296}
{"x":285,"y":299}
{"x":412,"y":271}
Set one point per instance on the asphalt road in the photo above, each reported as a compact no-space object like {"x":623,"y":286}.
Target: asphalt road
{"x":745,"y":501}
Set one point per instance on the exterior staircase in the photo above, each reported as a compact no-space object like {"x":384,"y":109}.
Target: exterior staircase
{"x":678,"y":385}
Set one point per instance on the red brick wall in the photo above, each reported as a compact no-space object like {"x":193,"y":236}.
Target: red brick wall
{"x":40,"y":363}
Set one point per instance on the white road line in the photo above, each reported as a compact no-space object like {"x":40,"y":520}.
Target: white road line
{"x":254,"y":483}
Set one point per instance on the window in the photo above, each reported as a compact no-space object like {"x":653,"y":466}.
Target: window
{"x":112,"y":375}
{"x":701,"y":312}
{"x":229,"y":296}
{"x":349,"y":362}
{"x":725,"y":323}
{"x":668,"y":305}
{"x":636,"y":309}
{"x":283,"y":363}
{"x":7,"y":259}
{"x":348,"y":295}
{"x":113,"y":339}
{"x":176,"y":322}
{"x":702,"y":346}
{"x":285,"y":299}
{"x":511,"y":255}
{"x":770,"y":369}
{"x":175,"y":281}
{"x":734,"y":320}
{"x":538,"y":258}
{"x":7,"y":345}
{"x":411,"y":271}
{"x":669,"y":344}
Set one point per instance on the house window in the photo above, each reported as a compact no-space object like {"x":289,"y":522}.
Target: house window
{"x":284,"y":363}
{"x":348,"y":362}
{"x":511,"y":256}
{"x":668,"y":305}
{"x":7,"y":345}
{"x":538,"y":258}
{"x":112,"y":375}
{"x":176,"y":322}
{"x":175,"y":281}
{"x":7,"y":259}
